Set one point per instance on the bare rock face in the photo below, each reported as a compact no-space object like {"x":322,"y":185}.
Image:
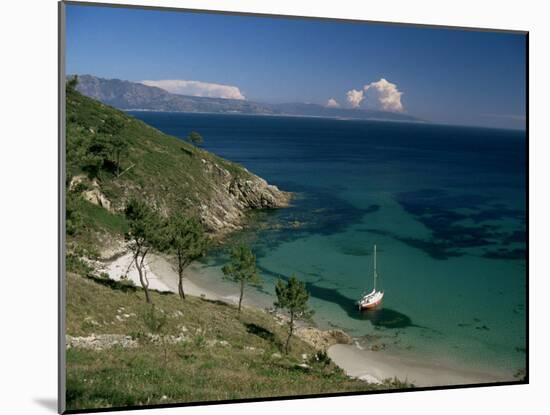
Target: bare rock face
{"x":92,"y":193}
{"x":256,"y":193}
{"x":230,"y":194}
{"x":97,"y":198}
{"x":100,"y":341}
{"x":233,"y":195}
{"x":322,"y":339}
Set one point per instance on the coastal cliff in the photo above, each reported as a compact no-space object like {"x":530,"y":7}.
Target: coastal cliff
{"x":233,"y":195}
{"x":169,"y":174}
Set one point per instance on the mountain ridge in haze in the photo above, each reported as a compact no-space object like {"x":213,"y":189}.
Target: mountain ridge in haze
{"x":127,"y":95}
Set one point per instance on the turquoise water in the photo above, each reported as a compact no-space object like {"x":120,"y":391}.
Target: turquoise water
{"x":445,"y":206}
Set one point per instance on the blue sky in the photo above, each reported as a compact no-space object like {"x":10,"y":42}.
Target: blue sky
{"x":444,"y":76}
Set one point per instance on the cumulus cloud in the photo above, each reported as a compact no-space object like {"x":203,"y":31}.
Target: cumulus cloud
{"x":354,"y":98}
{"x":332,"y":103}
{"x":387,"y":95}
{"x":197,"y":88}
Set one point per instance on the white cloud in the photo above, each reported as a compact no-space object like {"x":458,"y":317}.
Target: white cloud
{"x":387,"y":95}
{"x":332,"y":103}
{"x":197,"y":88}
{"x":354,"y":98}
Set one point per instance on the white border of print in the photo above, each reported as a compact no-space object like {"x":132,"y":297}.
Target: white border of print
{"x":29,"y":202}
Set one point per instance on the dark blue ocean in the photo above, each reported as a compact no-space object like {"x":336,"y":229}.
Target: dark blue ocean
{"x":444,"y":204}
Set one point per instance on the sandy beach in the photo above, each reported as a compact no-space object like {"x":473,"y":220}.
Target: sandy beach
{"x":370,"y":366}
{"x":162,"y":276}
{"x":375,"y":366}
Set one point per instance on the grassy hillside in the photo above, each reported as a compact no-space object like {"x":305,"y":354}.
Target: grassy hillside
{"x":217,"y":356}
{"x":170,"y":175}
{"x":163,"y":169}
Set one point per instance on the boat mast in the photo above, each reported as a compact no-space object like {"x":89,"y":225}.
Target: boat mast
{"x":375,"y":275}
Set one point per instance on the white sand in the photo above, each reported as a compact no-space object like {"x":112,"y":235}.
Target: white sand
{"x":168,"y":275}
{"x":162,"y":276}
{"x":370,"y":366}
{"x":124,"y":266}
{"x":377,"y":366}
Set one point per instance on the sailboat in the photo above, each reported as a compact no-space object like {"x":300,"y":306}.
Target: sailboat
{"x":374,"y":298}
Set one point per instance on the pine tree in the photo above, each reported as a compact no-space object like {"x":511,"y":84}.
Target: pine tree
{"x":242,"y":269}
{"x":143,"y":234}
{"x":195,"y":138}
{"x":292,"y":296}
{"x":187,"y":239}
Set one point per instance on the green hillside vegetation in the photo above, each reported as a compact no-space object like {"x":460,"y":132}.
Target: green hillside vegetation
{"x":222,"y":356}
{"x":164,"y":171}
{"x":151,"y":153}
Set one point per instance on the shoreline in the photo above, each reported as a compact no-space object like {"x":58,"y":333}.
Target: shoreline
{"x":370,"y":366}
{"x":380,"y":365}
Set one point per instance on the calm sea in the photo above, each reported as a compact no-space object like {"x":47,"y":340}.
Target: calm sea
{"x":444,"y":204}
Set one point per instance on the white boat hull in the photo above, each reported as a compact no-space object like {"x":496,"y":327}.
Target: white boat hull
{"x":371,"y":300}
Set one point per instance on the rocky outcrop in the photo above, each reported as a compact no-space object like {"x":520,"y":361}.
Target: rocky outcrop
{"x":97,"y":198}
{"x":323,"y":339}
{"x":100,"y":341}
{"x":108,"y":341}
{"x":90,"y":191}
{"x":256,"y":193}
{"x":233,"y":194}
